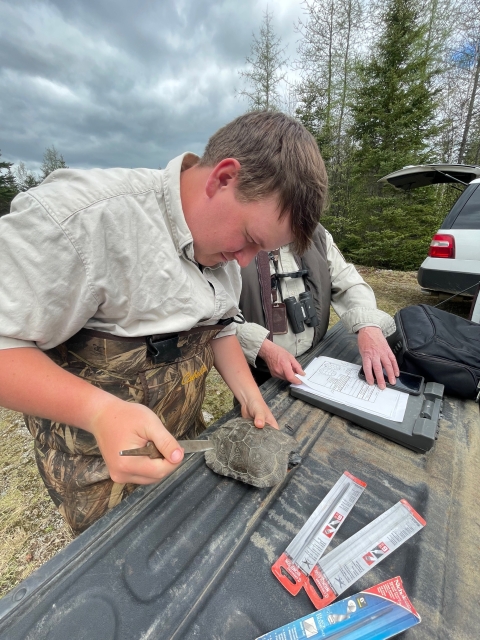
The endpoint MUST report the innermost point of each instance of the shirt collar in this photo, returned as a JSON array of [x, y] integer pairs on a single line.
[[173, 202], [181, 233]]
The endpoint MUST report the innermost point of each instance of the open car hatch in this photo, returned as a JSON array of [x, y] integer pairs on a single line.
[[412, 177]]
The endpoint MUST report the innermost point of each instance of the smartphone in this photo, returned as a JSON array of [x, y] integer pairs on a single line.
[[406, 382]]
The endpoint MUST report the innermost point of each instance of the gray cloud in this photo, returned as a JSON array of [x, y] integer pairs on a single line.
[[116, 83]]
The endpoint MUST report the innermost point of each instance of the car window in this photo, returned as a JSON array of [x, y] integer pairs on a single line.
[[465, 213], [458, 206]]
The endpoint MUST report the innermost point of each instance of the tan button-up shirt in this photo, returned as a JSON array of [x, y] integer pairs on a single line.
[[106, 249]]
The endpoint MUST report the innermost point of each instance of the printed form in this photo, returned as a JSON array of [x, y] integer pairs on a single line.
[[339, 381]]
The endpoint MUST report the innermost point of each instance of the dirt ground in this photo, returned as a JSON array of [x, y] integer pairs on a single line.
[[32, 530]]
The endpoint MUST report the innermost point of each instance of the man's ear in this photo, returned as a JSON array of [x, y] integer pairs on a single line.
[[224, 175]]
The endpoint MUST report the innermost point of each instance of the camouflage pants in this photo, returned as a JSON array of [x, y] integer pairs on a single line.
[[69, 459]]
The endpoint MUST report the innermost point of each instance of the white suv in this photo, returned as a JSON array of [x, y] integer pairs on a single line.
[[453, 262]]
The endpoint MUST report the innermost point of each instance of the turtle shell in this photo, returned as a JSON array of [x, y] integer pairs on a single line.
[[252, 455]]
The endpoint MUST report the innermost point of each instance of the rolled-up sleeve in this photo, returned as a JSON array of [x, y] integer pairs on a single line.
[[352, 298], [251, 337], [45, 294]]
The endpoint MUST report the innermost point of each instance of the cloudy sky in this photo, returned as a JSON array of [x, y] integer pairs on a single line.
[[124, 82]]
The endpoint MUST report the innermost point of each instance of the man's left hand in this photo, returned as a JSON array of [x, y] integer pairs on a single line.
[[257, 410], [376, 354]]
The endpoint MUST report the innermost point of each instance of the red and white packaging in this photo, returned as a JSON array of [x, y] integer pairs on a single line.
[[343, 566], [303, 553]]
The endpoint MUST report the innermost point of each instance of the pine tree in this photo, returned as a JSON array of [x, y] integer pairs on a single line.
[[394, 123], [264, 75], [8, 188]]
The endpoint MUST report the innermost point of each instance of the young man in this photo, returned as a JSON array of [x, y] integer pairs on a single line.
[[117, 291]]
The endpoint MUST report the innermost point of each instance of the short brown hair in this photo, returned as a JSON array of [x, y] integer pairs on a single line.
[[277, 155]]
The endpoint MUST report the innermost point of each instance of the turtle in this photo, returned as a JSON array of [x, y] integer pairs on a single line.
[[256, 456]]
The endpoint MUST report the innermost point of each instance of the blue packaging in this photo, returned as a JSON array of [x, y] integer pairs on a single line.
[[375, 614]]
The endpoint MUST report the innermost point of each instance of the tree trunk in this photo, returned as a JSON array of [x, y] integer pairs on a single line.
[[468, 119]]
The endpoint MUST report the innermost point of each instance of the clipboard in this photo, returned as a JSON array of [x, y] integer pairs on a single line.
[[419, 428]]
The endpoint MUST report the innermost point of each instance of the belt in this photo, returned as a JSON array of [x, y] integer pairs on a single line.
[[162, 348]]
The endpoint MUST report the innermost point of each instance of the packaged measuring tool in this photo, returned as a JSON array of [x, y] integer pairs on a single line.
[[304, 551], [343, 566], [380, 612]]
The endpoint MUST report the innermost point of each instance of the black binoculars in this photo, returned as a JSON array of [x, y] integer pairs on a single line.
[[301, 312]]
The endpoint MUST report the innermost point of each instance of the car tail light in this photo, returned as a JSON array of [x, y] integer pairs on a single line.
[[442, 246]]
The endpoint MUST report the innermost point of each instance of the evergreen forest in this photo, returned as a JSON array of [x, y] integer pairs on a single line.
[[381, 84]]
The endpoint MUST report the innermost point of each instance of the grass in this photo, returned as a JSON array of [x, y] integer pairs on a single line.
[[218, 398], [397, 289], [32, 530]]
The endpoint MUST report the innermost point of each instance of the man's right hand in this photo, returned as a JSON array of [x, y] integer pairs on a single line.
[[280, 362], [119, 425], [32, 383]]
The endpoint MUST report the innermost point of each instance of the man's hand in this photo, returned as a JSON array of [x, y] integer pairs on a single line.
[[32, 383], [121, 425], [280, 362], [376, 354], [232, 366], [257, 409]]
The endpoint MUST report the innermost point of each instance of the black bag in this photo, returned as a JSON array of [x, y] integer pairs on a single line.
[[439, 346]]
